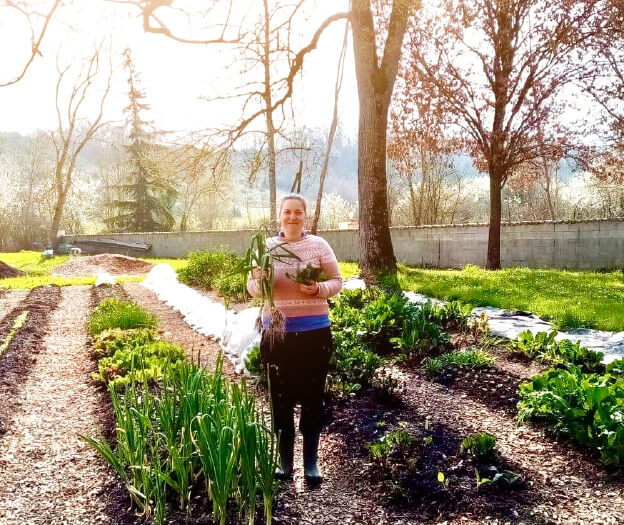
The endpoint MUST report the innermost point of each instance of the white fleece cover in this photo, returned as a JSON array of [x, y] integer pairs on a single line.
[[237, 335]]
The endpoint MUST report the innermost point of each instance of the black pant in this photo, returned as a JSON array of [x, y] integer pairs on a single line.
[[297, 372]]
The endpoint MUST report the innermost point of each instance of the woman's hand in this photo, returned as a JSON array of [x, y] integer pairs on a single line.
[[309, 289], [256, 272]]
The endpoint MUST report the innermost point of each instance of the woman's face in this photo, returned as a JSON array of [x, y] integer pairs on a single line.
[[292, 217]]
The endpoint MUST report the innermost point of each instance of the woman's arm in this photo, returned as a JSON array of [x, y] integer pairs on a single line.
[[329, 264]]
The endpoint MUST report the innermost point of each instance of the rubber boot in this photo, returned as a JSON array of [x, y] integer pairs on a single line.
[[287, 455], [311, 472]]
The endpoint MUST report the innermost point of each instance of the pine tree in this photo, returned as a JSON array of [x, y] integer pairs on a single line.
[[148, 198]]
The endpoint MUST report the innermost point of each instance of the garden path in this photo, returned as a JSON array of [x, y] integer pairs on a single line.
[[47, 474]]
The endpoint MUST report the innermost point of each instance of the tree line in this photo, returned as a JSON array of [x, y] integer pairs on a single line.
[[494, 79]]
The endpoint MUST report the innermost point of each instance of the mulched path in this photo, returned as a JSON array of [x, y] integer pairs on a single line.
[[48, 475], [9, 299], [114, 264]]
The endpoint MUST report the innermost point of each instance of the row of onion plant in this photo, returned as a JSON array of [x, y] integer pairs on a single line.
[[188, 432]]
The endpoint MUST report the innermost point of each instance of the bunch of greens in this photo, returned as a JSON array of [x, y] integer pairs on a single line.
[[308, 275], [260, 255]]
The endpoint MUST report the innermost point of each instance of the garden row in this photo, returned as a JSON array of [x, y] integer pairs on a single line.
[[184, 437], [577, 398]]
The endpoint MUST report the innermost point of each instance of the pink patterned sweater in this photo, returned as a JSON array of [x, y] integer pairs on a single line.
[[286, 294]]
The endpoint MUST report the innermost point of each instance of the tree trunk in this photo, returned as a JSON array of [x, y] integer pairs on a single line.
[[494, 232], [375, 84], [375, 243], [56, 220]]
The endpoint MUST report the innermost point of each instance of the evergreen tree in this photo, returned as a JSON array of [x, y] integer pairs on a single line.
[[147, 198]]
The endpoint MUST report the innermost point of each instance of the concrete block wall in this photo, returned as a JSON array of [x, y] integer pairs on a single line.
[[583, 245]]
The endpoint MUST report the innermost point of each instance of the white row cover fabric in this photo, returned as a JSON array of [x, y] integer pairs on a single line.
[[237, 335]]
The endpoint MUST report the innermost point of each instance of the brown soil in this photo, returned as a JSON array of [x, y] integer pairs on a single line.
[[9, 299], [9, 271], [21, 355], [114, 264]]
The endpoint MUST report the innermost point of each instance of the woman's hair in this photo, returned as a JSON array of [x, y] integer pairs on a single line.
[[295, 197]]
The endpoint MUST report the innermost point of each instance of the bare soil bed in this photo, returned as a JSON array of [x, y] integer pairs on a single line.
[[9, 271], [114, 264]]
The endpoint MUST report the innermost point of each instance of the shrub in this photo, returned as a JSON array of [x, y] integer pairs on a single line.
[[472, 359], [587, 408], [481, 446], [232, 286], [205, 267], [116, 313]]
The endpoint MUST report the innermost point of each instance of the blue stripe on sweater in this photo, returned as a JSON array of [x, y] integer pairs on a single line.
[[304, 323]]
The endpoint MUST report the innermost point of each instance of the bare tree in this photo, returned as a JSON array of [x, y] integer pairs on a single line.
[[36, 33], [375, 78], [73, 132], [498, 67]]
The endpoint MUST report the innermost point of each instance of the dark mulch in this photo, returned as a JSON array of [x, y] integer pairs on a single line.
[[493, 387], [407, 481], [9, 271]]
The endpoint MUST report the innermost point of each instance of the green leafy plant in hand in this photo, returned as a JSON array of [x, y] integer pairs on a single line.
[[308, 275]]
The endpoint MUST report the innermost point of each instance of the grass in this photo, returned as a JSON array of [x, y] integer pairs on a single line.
[[38, 270], [568, 299], [349, 269], [32, 263]]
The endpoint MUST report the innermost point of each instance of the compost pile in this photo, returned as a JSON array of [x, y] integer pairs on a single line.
[[8, 271], [114, 264]]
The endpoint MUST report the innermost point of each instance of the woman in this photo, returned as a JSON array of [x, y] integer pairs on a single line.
[[298, 364]]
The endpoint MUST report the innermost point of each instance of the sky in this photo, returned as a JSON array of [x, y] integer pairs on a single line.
[[177, 78]]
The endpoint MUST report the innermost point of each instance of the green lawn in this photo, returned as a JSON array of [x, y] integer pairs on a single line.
[[37, 270], [568, 299]]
